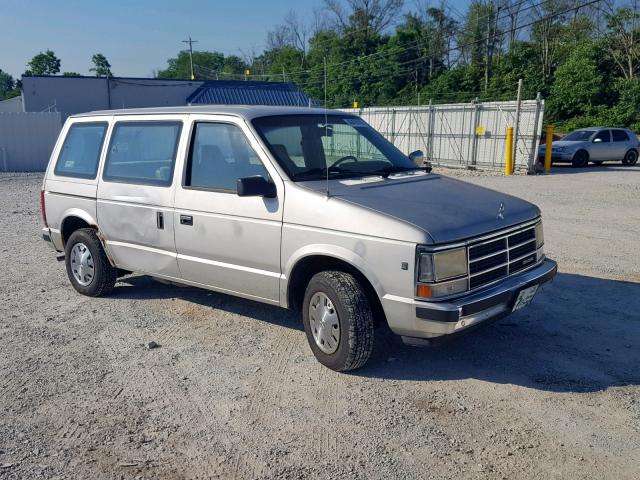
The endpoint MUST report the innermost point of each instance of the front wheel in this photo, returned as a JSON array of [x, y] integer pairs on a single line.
[[88, 267], [338, 321], [631, 158], [580, 159]]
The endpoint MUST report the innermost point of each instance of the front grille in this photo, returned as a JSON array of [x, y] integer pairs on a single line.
[[500, 256]]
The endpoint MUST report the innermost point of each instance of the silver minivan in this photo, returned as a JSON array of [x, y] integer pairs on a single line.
[[303, 208]]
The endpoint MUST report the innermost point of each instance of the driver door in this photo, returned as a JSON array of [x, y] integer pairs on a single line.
[[227, 242], [601, 150]]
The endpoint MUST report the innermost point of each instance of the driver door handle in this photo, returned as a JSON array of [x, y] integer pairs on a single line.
[[186, 220]]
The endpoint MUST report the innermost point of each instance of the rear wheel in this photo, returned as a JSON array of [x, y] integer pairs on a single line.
[[631, 158], [338, 321], [88, 267], [580, 159]]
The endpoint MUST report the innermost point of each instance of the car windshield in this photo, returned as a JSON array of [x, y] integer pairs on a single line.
[[579, 136], [310, 147]]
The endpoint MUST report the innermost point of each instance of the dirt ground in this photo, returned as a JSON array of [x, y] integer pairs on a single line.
[[234, 391]]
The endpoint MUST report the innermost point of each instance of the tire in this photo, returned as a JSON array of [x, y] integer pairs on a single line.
[[88, 267], [630, 158], [343, 300], [580, 159]]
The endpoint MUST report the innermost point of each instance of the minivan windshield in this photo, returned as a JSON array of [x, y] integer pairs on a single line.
[[306, 145], [578, 136]]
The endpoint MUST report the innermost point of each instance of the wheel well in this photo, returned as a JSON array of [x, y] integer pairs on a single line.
[[583, 151], [307, 267], [70, 225]]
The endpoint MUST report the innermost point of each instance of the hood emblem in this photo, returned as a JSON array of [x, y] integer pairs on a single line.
[[501, 211]]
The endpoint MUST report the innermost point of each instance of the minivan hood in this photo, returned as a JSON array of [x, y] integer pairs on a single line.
[[448, 210]]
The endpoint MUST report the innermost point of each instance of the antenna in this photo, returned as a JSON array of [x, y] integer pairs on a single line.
[[326, 124]]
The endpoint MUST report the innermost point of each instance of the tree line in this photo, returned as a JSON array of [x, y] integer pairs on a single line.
[[47, 63], [582, 56]]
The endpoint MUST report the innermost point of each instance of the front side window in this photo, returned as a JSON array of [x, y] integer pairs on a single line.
[[620, 136], [80, 151], [142, 152], [310, 146], [603, 135], [219, 155]]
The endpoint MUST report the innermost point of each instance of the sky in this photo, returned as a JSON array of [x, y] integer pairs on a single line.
[[138, 37]]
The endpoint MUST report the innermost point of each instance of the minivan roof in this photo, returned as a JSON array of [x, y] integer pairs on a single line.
[[244, 111]]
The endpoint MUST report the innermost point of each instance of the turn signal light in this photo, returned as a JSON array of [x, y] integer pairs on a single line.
[[424, 291]]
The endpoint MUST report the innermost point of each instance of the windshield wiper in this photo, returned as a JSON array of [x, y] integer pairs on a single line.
[[385, 172]]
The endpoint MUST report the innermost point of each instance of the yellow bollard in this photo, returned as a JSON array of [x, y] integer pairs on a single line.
[[547, 152], [508, 164]]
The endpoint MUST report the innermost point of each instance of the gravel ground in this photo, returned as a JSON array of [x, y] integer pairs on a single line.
[[233, 391]]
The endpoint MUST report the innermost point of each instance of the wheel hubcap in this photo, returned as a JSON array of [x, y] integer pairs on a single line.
[[631, 157], [325, 326], [82, 265]]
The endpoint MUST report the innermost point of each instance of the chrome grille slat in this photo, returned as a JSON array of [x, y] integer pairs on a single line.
[[515, 241]]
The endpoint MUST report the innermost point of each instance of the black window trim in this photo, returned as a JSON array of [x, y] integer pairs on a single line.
[[186, 170], [150, 183], [93, 176]]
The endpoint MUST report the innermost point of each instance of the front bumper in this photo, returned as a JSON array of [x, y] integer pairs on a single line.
[[557, 157], [419, 319]]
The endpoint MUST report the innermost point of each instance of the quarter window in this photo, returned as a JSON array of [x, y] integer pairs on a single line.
[[81, 150], [142, 152], [620, 136], [220, 154], [603, 135]]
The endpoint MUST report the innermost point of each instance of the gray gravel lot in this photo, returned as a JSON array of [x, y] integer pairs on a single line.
[[234, 391]]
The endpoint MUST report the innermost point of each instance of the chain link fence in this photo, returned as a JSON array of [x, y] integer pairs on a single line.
[[471, 135]]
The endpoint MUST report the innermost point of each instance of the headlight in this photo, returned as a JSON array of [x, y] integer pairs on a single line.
[[559, 149], [439, 266], [539, 235]]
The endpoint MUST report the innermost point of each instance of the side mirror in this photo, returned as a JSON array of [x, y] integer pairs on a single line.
[[417, 157], [597, 140], [255, 187]]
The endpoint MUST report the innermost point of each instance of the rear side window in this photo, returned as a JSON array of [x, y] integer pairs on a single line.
[[142, 152], [81, 149], [620, 136], [220, 155]]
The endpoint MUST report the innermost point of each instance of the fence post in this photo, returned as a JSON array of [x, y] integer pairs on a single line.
[[508, 156], [547, 152], [393, 126], [516, 130], [3, 155], [430, 124], [533, 154], [474, 127]]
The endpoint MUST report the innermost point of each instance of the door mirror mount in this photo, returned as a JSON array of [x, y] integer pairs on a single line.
[[255, 187]]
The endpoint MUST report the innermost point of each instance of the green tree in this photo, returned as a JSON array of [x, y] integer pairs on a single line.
[[6, 84], [101, 66], [70, 74], [579, 86], [206, 65], [44, 64]]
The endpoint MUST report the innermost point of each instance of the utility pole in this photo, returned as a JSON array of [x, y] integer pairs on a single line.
[[191, 42]]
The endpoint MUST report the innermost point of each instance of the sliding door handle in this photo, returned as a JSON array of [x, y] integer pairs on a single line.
[[186, 220], [160, 220]]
